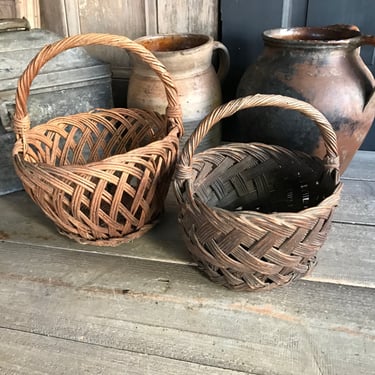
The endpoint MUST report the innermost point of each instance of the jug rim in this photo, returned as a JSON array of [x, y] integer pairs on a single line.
[[178, 42], [305, 36]]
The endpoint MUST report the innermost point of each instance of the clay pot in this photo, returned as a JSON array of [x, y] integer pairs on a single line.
[[188, 58], [321, 66]]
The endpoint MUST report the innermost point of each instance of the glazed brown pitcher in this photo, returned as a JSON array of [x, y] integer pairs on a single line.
[[321, 66]]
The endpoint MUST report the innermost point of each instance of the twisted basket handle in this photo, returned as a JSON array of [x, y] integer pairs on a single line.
[[331, 160], [21, 118]]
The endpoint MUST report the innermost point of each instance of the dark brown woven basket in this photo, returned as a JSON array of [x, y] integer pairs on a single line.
[[101, 176], [253, 215]]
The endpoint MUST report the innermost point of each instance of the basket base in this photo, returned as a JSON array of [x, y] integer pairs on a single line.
[[113, 241], [240, 282]]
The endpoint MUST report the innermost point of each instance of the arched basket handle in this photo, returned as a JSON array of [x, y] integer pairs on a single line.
[[331, 160], [21, 118]]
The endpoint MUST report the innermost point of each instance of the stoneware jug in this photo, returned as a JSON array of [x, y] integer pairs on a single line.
[[321, 66], [188, 58]]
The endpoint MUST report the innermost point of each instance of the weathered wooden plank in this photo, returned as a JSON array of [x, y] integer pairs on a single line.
[[344, 258], [25, 223], [151, 17], [7, 9], [29, 354], [173, 16], [188, 16], [138, 278], [53, 16], [362, 166], [73, 23], [172, 311], [347, 257], [124, 17], [30, 10], [357, 203]]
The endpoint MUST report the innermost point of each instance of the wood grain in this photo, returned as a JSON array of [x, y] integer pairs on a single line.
[[357, 204], [21, 8], [122, 17], [8, 9], [361, 167], [172, 311], [192, 16], [151, 16], [53, 16], [130, 18], [29, 354], [30, 10]]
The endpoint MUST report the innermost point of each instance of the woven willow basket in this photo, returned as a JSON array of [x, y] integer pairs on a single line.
[[253, 215], [101, 176]]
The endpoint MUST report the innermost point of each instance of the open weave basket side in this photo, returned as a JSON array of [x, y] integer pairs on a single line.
[[220, 191], [100, 176]]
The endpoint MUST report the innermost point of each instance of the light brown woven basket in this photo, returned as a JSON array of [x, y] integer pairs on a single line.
[[253, 215], [101, 176]]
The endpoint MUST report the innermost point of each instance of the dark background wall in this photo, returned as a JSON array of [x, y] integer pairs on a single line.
[[243, 21]]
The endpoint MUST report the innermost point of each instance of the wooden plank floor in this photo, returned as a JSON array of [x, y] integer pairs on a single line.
[[144, 308]]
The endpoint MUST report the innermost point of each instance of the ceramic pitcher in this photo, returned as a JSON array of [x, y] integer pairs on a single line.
[[188, 58], [319, 65]]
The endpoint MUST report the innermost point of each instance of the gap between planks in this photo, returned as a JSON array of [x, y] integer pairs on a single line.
[[106, 253]]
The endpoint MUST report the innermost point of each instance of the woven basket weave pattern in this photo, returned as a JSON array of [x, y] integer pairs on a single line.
[[254, 216], [102, 176]]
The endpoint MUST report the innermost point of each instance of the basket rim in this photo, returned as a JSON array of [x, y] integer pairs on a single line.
[[148, 150], [228, 109], [327, 203], [189, 198]]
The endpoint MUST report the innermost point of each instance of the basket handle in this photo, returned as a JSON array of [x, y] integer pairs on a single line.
[[331, 159], [21, 118]]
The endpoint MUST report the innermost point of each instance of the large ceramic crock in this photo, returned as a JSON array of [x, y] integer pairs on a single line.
[[321, 66]]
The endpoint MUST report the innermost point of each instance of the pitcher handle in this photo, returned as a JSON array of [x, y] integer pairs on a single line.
[[370, 41], [224, 59]]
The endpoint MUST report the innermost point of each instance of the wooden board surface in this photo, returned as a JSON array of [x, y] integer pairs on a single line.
[[182, 16], [39, 354], [7, 9], [130, 18], [361, 167], [172, 311], [337, 262], [144, 308]]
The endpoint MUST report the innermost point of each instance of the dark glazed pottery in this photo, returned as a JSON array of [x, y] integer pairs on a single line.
[[321, 66]]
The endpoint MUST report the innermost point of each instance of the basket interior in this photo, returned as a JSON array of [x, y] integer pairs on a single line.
[[90, 137], [258, 177]]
